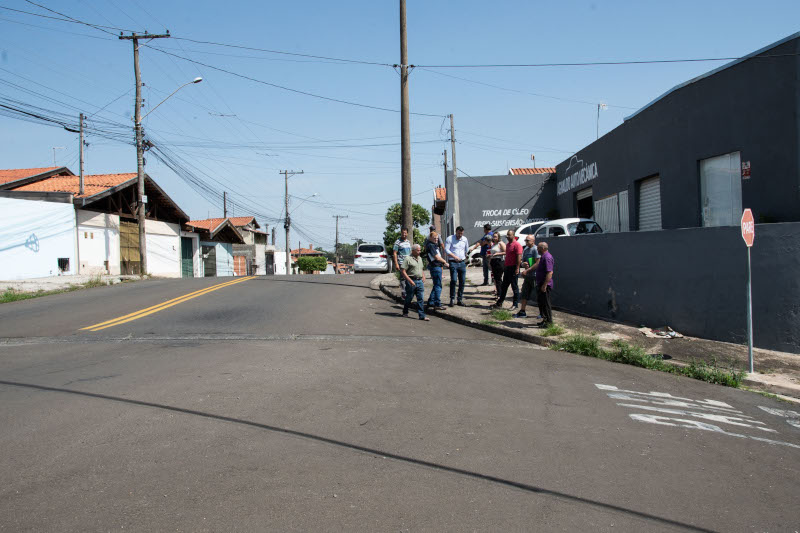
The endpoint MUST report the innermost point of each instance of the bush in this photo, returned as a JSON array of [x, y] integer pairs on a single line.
[[311, 264]]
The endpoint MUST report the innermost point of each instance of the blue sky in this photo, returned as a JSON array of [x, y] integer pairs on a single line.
[[236, 134]]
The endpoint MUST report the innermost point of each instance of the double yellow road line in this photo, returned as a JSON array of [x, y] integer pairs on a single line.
[[165, 305]]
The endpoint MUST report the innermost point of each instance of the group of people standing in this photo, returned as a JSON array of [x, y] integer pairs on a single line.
[[505, 261]]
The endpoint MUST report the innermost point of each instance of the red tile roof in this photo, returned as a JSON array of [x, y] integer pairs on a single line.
[[211, 224], [15, 174], [92, 184], [308, 251], [440, 194], [540, 170]]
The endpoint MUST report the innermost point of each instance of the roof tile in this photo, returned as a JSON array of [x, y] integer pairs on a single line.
[[92, 184], [540, 170], [14, 174]]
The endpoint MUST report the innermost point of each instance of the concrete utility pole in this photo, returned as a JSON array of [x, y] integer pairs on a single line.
[[54, 154], [80, 151], [288, 221], [224, 204], [456, 214], [406, 218], [137, 118], [448, 194], [336, 246]]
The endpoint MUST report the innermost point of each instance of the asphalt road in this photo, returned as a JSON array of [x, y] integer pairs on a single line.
[[309, 404]]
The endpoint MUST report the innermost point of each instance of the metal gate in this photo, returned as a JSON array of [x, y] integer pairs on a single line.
[[650, 204], [239, 265], [130, 261], [187, 258], [606, 213], [270, 261], [209, 261]]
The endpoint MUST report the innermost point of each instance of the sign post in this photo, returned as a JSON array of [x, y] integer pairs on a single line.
[[749, 234]]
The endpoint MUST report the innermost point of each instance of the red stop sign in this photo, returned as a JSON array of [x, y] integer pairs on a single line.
[[748, 227]]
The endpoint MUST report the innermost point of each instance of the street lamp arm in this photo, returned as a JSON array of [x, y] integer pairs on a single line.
[[196, 80]]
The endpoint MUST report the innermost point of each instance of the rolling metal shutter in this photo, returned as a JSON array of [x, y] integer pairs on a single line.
[[624, 218], [650, 204], [606, 213], [585, 193]]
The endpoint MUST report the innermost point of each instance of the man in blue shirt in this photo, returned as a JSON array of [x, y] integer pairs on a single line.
[[485, 243], [456, 247], [401, 249], [435, 263]]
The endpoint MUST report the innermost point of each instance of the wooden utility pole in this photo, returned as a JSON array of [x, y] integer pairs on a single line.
[[80, 151], [224, 204], [287, 221], [137, 119], [406, 219], [336, 246], [456, 213]]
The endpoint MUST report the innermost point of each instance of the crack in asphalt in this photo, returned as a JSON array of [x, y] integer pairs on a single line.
[[228, 337]]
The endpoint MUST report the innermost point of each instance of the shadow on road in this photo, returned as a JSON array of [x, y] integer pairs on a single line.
[[360, 284], [371, 451]]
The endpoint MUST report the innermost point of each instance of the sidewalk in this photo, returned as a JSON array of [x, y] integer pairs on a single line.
[[57, 283], [776, 372]]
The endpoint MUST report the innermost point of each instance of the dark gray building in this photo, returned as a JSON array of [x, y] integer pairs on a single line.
[[699, 153]]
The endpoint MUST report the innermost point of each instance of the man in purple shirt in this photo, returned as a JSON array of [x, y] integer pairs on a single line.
[[544, 281]]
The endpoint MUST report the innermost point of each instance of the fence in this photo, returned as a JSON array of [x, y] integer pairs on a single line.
[[690, 279]]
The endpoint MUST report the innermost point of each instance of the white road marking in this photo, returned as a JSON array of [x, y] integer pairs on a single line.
[[706, 410], [732, 420], [695, 424]]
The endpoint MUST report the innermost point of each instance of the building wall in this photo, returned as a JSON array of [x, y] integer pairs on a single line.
[[504, 201], [224, 257], [692, 280], [751, 107], [261, 259], [33, 236], [98, 239], [163, 249]]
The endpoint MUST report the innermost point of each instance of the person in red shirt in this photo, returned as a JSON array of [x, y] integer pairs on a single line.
[[512, 262]]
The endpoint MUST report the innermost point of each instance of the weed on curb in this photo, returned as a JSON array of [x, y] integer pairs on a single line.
[[488, 322], [553, 330], [622, 352], [501, 315], [12, 295]]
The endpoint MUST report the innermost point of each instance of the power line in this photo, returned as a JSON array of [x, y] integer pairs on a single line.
[[599, 63], [282, 87]]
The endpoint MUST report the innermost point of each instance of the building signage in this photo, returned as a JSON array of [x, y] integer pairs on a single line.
[[577, 174], [503, 217]]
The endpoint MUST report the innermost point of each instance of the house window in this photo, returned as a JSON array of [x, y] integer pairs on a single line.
[[63, 264], [721, 190]]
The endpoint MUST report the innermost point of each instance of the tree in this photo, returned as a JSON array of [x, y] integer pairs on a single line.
[[311, 264], [420, 217]]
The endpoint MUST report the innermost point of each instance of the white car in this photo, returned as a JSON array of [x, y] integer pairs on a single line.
[[371, 257], [567, 227], [528, 229]]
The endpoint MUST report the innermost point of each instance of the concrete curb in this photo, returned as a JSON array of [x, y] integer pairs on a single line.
[[547, 343]]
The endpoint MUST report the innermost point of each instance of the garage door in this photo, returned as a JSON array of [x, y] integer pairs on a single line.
[[606, 213], [239, 265], [650, 204]]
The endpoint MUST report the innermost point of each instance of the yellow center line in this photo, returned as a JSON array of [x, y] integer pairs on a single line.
[[160, 307]]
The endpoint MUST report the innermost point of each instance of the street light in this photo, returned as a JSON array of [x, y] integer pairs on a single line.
[[304, 199], [140, 196]]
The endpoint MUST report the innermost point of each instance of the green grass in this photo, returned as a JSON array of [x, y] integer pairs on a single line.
[[488, 322], [553, 330], [622, 352], [501, 315], [11, 295]]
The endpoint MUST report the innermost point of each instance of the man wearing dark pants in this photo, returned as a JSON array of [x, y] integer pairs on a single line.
[[512, 262], [530, 261], [544, 279], [414, 275], [485, 243], [435, 263], [456, 248]]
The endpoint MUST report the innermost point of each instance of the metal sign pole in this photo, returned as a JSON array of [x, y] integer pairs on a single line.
[[749, 313]]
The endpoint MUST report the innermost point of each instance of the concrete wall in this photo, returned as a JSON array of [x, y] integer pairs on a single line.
[[503, 201], [33, 236], [751, 107], [163, 249], [224, 253], [98, 239], [692, 280]]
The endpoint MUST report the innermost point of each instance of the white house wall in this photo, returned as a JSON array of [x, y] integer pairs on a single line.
[[33, 236], [280, 263], [261, 259], [98, 241], [224, 259], [163, 249]]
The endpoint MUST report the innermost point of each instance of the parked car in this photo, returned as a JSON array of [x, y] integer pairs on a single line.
[[528, 229], [567, 227], [371, 257]]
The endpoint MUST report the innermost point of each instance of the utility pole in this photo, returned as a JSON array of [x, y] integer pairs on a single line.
[[336, 248], [406, 219], [137, 119], [456, 213], [54, 154], [224, 204], [80, 165], [447, 190], [288, 221]]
